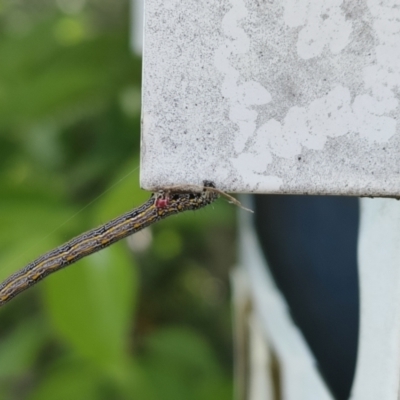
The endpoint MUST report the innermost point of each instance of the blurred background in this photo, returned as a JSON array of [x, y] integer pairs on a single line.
[[148, 318]]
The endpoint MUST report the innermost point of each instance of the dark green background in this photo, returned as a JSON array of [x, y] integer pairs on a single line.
[[148, 323]]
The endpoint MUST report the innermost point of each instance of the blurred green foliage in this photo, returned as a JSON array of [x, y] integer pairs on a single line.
[[145, 321]]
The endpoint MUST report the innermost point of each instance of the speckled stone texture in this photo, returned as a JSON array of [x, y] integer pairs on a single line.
[[272, 96]]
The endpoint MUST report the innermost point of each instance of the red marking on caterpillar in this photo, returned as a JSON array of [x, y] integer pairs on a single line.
[[162, 202]]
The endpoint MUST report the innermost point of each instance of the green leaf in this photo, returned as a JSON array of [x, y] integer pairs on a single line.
[[123, 194], [40, 77], [71, 381], [91, 305], [31, 222], [19, 350], [181, 366]]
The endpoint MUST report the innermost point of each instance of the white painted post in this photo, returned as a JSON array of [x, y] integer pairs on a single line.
[[261, 384], [137, 14], [378, 364], [290, 97], [299, 378]]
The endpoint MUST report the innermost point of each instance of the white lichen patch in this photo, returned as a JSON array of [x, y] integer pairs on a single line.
[[281, 97]]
